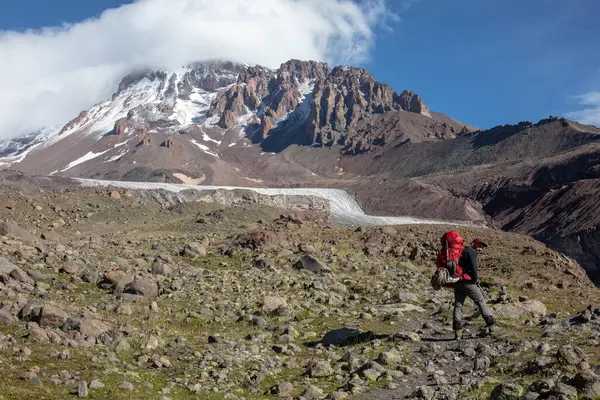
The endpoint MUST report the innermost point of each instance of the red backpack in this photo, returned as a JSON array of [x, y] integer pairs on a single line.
[[448, 256]]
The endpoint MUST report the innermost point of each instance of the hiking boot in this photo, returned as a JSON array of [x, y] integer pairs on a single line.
[[490, 321], [486, 331]]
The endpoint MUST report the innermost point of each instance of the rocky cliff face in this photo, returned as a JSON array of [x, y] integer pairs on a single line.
[[337, 100]]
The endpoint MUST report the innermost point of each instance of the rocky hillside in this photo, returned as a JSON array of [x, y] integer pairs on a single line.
[[118, 294]]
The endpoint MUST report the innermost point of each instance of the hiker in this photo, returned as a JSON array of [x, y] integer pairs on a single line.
[[468, 286]]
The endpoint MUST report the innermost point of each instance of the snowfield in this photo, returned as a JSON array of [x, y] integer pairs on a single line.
[[342, 205]]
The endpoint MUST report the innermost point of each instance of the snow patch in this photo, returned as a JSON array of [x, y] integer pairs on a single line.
[[204, 148], [116, 157], [89, 156], [207, 138]]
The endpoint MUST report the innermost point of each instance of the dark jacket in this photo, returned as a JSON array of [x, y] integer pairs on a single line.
[[468, 262]]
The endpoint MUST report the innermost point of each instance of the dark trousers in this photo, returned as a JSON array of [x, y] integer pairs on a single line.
[[465, 289]]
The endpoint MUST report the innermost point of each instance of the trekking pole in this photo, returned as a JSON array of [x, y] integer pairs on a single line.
[[448, 312], [490, 303]]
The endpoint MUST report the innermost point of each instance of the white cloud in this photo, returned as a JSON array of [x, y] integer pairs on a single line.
[[589, 115], [47, 76]]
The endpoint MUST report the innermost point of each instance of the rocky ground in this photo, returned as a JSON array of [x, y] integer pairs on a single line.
[[106, 295]]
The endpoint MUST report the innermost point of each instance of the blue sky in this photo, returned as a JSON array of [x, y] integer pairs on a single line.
[[483, 62]]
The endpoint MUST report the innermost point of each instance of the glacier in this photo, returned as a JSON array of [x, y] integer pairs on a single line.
[[343, 206]]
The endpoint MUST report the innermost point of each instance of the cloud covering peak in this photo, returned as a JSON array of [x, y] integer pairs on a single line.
[[47, 76], [590, 114]]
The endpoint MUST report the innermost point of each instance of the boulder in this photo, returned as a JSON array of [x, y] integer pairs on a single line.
[[310, 263], [272, 304], [143, 287], [69, 267], [92, 327], [6, 318], [528, 308], [570, 355], [319, 369], [6, 267], [52, 317], [12, 230], [506, 391], [194, 250], [588, 383]]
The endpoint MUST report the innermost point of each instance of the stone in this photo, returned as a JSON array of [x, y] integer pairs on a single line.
[[13, 230], [115, 195], [144, 287], [312, 392], [52, 317], [82, 390], [126, 386], [92, 327], [176, 285], [21, 276], [114, 277], [571, 355], [506, 391], [528, 308], [6, 318], [122, 346], [423, 392], [90, 276], [194, 250], [160, 268], [588, 383], [96, 384], [6, 267], [320, 369], [262, 263], [152, 343], [482, 364], [51, 236], [283, 389], [390, 358], [562, 391], [274, 305], [124, 309], [370, 374], [70, 268], [412, 336], [539, 364], [310, 263]]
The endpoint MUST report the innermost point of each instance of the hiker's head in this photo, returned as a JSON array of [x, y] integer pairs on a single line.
[[478, 244]]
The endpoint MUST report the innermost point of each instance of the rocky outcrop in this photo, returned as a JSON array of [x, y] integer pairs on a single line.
[[410, 101], [340, 99]]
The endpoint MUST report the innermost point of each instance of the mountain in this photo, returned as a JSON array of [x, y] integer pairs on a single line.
[[199, 112], [308, 125]]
